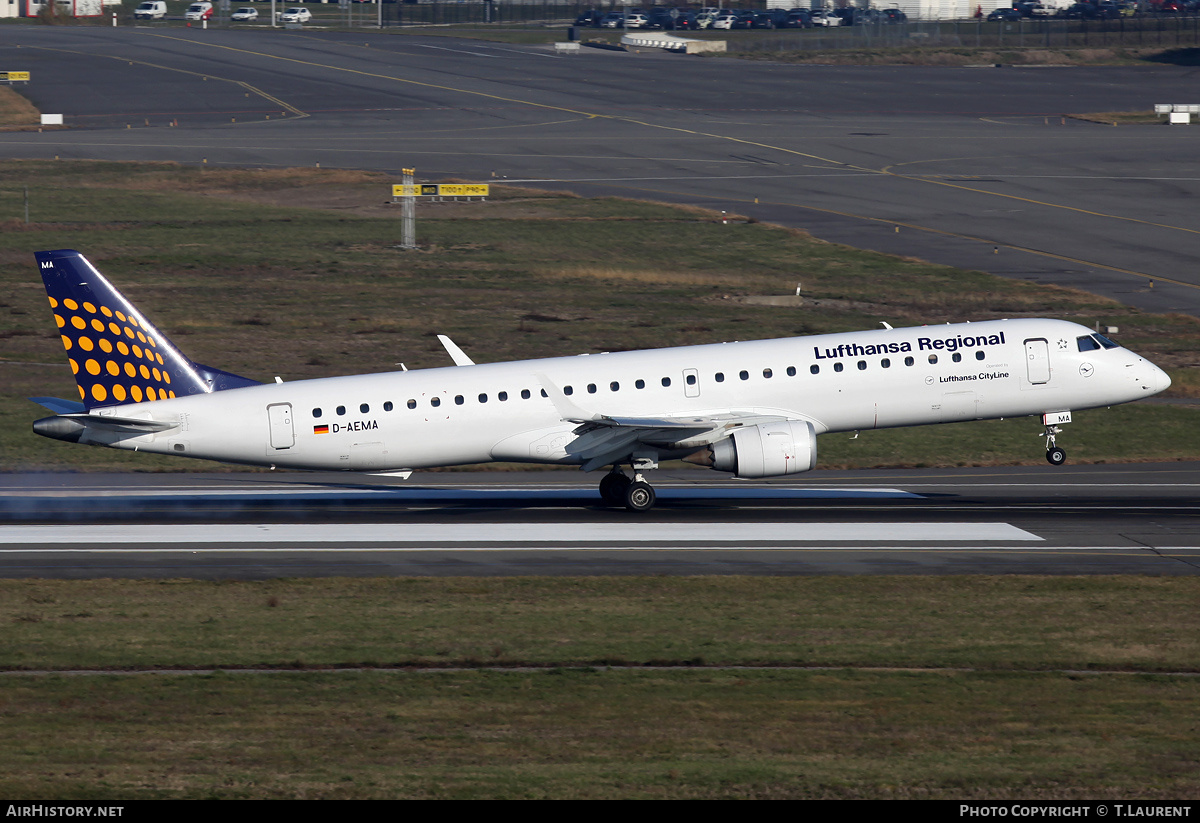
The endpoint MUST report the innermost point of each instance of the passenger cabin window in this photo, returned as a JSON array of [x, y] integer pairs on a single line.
[[956, 357], [614, 386], [666, 381], [525, 394], [364, 408], [435, 402], [387, 405], [483, 398], [933, 358], [908, 361], [791, 371], [591, 388], [639, 384], [502, 396], [566, 390], [862, 365], [719, 377], [814, 369], [459, 400], [316, 412], [838, 367], [691, 379], [341, 409], [979, 354], [885, 363], [412, 404], [767, 373], [744, 375]]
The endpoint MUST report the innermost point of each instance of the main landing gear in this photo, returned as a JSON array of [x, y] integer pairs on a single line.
[[635, 494]]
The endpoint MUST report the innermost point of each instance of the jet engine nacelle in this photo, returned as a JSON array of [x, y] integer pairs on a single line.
[[767, 450]]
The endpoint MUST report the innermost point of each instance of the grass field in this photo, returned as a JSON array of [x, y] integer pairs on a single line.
[[298, 273], [892, 687]]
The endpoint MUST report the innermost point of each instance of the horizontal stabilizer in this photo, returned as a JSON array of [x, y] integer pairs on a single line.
[[60, 406], [71, 427]]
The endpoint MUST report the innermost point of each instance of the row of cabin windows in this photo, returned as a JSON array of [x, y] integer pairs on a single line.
[[690, 379]]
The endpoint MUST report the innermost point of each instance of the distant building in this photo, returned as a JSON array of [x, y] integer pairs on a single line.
[[69, 8]]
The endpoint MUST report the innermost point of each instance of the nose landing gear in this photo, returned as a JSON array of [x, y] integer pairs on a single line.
[[1055, 456]]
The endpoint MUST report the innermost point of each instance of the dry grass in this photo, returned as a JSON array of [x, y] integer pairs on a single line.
[[16, 110]]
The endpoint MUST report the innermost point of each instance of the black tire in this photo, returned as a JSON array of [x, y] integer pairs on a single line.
[[639, 497], [1056, 456], [613, 487]]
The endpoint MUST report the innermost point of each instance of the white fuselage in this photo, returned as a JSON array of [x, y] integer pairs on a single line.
[[468, 414]]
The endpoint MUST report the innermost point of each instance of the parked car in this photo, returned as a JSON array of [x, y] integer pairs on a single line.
[[894, 16], [798, 19], [733, 20], [591, 17], [637, 21], [244, 13], [1007, 15], [150, 10], [820, 17], [296, 14], [686, 21], [769, 19], [613, 20], [198, 11]]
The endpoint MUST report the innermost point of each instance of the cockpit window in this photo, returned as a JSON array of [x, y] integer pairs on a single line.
[[1105, 342], [1088, 343]]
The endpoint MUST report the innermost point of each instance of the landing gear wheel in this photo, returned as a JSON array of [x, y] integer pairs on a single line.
[[639, 497], [613, 487], [1056, 456]]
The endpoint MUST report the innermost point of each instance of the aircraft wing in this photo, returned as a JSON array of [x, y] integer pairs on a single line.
[[614, 439], [603, 439]]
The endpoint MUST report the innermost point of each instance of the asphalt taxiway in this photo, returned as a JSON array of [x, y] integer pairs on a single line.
[[974, 167], [1070, 520]]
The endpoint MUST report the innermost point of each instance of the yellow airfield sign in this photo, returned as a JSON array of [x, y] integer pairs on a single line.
[[441, 190]]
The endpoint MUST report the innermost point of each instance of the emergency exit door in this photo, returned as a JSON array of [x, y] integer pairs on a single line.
[[283, 435]]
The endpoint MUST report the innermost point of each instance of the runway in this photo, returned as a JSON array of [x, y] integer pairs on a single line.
[[978, 168], [1074, 520]]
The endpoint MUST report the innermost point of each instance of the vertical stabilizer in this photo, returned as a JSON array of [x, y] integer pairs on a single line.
[[116, 354]]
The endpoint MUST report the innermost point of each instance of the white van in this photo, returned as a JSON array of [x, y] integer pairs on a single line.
[[198, 11], [150, 10]]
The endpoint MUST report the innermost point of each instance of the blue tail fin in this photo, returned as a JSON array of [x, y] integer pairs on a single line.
[[117, 355]]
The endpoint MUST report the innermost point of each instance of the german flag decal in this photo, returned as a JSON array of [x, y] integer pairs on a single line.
[[321, 429]]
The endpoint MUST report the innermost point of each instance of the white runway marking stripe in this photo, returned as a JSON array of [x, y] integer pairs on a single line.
[[509, 533]]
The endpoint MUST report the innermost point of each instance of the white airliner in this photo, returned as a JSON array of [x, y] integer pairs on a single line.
[[751, 408]]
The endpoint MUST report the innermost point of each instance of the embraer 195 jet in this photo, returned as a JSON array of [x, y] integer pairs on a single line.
[[750, 408]]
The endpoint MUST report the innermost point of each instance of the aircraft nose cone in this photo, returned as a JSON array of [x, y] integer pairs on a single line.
[[1164, 379]]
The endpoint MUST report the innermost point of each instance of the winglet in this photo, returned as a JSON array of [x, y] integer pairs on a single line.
[[566, 409], [456, 354]]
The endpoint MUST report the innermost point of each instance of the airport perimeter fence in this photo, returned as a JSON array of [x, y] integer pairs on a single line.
[[1144, 32], [1159, 31], [1138, 32]]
